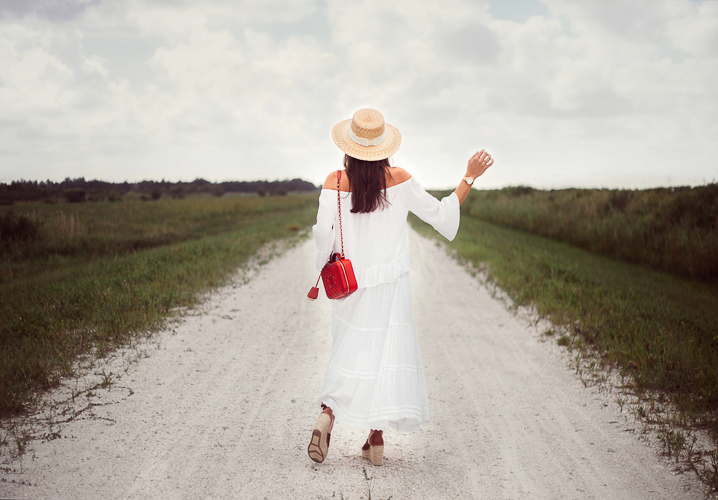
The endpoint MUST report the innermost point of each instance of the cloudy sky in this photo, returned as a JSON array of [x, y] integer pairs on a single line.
[[594, 93]]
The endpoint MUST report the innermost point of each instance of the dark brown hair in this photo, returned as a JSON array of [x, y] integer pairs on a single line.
[[367, 180]]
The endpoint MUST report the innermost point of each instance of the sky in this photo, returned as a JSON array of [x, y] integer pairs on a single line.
[[593, 93]]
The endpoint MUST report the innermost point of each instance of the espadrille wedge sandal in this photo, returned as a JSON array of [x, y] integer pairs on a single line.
[[321, 435], [375, 451]]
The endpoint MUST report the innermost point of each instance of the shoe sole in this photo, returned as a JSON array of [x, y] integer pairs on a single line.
[[319, 444]]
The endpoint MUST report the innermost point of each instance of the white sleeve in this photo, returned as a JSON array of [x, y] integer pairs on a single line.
[[323, 230], [442, 215]]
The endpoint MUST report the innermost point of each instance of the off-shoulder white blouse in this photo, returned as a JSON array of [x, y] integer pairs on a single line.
[[376, 242]]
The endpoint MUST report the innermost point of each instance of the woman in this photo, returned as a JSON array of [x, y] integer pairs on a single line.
[[375, 377]]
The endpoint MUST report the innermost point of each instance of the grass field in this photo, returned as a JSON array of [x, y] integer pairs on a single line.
[[80, 278], [660, 330], [669, 229]]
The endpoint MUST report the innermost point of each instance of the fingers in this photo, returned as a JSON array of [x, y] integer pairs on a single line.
[[479, 162], [482, 156]]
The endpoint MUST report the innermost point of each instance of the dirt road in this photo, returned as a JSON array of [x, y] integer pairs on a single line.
[[223, 407]]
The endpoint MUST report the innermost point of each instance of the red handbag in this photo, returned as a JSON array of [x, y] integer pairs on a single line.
[[338, 273]]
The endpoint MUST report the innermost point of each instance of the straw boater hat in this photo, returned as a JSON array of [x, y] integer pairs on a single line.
[[366, 136]]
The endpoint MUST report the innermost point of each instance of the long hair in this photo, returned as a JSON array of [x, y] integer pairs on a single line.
[[368, 183]]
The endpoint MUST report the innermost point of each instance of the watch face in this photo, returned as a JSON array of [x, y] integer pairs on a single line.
[[469, 180]]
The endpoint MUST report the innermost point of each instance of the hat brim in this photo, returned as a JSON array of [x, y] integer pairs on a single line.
[[389, 146]]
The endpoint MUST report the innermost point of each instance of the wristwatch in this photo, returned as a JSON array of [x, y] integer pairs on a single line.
[[469, 180]]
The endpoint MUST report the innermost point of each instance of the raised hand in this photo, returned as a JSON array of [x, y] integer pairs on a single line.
[[478, 164]]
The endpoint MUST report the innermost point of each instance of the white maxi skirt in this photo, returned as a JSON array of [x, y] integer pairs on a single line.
[[375, 376]]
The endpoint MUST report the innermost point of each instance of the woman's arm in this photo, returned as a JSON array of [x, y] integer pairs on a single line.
[[477, 166], [323, 230]]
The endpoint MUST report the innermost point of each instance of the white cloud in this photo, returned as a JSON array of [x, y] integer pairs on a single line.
[[228, 90]]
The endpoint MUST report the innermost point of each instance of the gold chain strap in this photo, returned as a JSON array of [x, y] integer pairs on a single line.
[[339, 204]]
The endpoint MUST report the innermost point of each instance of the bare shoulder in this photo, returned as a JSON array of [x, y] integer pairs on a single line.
[[399, 175], [331, 182]]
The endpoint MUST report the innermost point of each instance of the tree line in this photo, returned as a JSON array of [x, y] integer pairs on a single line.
[[80, 190]]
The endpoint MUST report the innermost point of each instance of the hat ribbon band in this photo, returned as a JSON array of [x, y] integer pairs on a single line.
[[366, 142]]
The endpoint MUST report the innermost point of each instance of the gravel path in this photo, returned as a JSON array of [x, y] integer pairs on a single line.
[[223, 407]]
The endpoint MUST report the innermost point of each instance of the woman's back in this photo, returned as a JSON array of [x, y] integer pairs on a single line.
[[393, 176], [375, 242]]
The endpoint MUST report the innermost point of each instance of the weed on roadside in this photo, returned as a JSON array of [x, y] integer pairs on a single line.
[[106, 380], [368, 486], [708, 472], [49, 416]]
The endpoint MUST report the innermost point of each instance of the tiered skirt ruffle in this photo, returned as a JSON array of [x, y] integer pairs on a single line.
[[375, 376], [377, 275]]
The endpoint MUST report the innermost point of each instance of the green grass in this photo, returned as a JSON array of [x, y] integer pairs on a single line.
[[669, 229], [118, 270], [659, 329], [76, 233]]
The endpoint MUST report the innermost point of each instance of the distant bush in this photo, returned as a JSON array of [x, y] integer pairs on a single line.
[[18, 228], [669, 229], [26, 190], [262, 192], [518, 191], [177, 192], [156, 194], [95, 196], [279, 192], [114, 196], [75, 195]]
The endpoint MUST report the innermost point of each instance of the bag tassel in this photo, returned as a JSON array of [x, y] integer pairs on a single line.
[[314, 292]]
